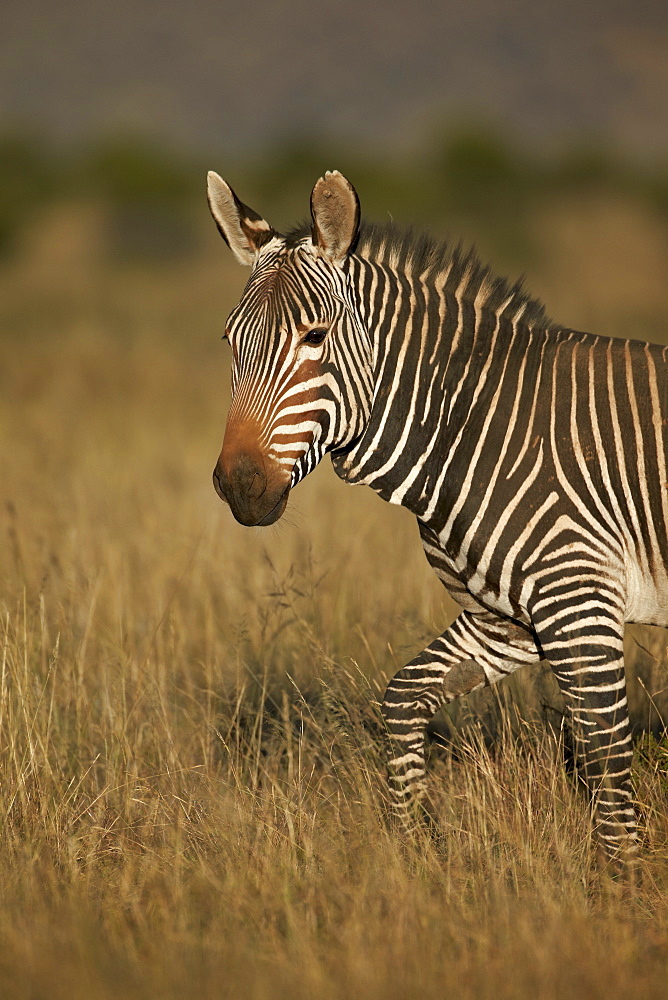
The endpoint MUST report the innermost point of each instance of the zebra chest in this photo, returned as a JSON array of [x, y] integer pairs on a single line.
[[476, 573], [488, 582]]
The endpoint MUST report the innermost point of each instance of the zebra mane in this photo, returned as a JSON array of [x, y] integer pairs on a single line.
[[420, 253]]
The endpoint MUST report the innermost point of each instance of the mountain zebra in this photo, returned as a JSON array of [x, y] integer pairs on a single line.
[[534, 458]]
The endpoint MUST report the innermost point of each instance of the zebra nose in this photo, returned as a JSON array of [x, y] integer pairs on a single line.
[[239, 479], [247, 478], [256, 492], [258, 485], [218, 482]]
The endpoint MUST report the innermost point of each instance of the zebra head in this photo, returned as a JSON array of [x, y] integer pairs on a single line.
[[301, 369]]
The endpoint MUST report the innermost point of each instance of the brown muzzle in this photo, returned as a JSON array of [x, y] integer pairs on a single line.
[[255, 487]]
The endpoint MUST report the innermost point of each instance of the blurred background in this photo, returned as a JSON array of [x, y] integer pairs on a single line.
[[539, 131]]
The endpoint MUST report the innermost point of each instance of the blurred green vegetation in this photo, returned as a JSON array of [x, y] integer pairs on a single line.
[[468, 178]]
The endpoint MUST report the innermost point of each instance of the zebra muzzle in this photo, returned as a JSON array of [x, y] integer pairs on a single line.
[[255, 498]]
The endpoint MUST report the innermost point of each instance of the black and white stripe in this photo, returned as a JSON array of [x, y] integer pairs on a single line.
[[534, 458]]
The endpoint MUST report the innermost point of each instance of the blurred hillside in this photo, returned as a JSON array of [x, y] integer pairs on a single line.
[[220, 75]]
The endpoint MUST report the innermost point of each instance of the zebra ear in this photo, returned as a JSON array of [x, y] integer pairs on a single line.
[[244, 231], [335, 210]]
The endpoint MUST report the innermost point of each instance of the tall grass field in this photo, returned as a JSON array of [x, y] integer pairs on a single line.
[[191, 749]]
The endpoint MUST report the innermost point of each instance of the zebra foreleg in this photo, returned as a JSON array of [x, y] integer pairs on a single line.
[[586, 655], [476, 649]]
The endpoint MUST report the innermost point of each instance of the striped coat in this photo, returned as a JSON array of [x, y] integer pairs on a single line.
[[533, 456]]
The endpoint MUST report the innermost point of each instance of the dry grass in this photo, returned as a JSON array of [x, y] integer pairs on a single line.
[[190, 744]]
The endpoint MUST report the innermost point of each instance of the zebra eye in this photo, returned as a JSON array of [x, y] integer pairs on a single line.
[[315, 336]]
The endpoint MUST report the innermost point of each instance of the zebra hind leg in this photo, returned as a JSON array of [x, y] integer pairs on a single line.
[[477, 649]]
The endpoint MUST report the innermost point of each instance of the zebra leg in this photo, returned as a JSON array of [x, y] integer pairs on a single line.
[[585, 650], [476, 649]]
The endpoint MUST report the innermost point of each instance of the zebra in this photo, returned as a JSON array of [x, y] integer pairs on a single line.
[[533, 457]]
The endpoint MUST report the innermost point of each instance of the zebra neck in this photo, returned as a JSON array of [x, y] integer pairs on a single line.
[[438, 361]]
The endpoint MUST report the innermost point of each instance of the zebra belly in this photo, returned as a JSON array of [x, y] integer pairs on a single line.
[[647, 595]]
